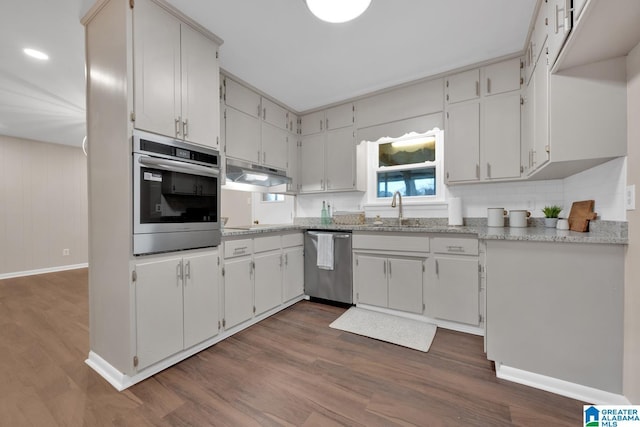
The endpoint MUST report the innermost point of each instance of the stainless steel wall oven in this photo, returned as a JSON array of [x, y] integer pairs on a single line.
[[176, 195]]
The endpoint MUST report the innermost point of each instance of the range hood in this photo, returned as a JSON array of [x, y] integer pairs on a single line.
[[241, 172]]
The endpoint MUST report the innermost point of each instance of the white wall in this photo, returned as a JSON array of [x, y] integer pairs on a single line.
[[631, 371], [43, 206], [273, 212], [604, 183]]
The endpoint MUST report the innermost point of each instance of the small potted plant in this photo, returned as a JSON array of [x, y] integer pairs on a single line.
[[551, 215]]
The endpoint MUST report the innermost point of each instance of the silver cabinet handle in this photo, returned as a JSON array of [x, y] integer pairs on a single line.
[[286, 259], [384, 268], [389, 267], [281, 260], [185, 127], [178, 273], [477, 88], [488, 170], [240, 250], [437, 269], [322, 184], [259, 111], [264, 113], [477, 170], [258, 156], [455, 248], [327, 124], [187, 270], [264, 157], [488, 85], [177, 122]]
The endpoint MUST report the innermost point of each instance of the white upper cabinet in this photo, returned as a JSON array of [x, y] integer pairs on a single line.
[[257, 129], [312, 123], [176, 77], [462, 86], [274, 114], [242, 98], [501, 77], [328, 151], [482, 132]]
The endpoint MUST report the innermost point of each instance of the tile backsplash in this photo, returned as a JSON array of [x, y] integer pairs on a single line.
[[604, 183]]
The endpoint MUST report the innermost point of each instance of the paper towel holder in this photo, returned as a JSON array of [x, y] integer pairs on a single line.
[[455, 211]]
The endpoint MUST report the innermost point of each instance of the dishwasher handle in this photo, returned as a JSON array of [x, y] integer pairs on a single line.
[[314, 234]]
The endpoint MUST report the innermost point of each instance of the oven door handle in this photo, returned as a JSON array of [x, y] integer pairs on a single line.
[[176, 166]]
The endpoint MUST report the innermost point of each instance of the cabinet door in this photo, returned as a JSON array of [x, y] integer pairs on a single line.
[[201, 298], [405, 284], [340, 163], [501, 77], [293, 277], [200, 89], [243, 135], [159, 310], [312, 163], [268, 281], [242, 98], [501, 136], [526, 134], [293, 163], [156, 66], [238, 291], [463, 86], [462, 146], [274, 114], [339, 117], [455, 294], [371, 280], [313, 123], [540, 78], [274, 146]]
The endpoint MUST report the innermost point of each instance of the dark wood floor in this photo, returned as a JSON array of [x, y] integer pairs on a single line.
[[291, 369]]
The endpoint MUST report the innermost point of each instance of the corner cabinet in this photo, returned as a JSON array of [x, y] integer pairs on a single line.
[[176, 77], [256, 129], [176, 300], [328, 151]]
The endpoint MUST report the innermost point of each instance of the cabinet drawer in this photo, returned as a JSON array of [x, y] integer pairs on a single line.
[[455, 245], [267, 243], [405, 242], [234, 248], [293, 239]]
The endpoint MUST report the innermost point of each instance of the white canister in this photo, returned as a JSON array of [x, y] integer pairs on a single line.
[[562, 224], [495, 217], [518, 218]]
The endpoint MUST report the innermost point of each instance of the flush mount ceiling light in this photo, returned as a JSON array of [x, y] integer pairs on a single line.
[[337, 11], [36, 54]]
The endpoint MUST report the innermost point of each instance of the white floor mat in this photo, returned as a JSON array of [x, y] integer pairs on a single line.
[[385, 327]]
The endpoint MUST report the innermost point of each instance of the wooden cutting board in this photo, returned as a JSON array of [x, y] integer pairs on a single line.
[[580, 215]]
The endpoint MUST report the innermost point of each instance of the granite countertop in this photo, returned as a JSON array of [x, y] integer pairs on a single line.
[[601, 232]]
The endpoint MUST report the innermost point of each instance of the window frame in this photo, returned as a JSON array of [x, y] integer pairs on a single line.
[[438, 164]]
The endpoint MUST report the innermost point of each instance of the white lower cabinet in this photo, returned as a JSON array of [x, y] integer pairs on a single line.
[[260, 274], [176, 301], [389, 270], [293, 273], [453, 288], [267, 281], [394, 283]]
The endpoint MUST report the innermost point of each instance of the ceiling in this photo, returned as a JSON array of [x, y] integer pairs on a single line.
[[277, 46]]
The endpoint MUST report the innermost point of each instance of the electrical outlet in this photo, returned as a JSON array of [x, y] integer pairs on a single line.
[[630, 197], [65, 252]]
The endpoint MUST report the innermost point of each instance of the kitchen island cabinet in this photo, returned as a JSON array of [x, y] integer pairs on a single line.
[[237, 277], [557, 312]]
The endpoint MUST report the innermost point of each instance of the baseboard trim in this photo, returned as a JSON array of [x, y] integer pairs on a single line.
[[561, 387], [43, 271], [121, 381]]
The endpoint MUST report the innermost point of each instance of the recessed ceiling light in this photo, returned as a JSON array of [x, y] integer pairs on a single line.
[[337, 11], [36, 54]]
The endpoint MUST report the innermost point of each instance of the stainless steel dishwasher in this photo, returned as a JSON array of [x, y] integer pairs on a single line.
[[333, 285]]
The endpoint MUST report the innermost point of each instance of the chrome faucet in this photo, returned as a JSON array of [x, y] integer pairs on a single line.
[[393, 205]]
